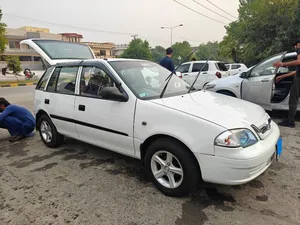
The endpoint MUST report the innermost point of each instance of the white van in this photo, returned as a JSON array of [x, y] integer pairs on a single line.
[[182, 138]]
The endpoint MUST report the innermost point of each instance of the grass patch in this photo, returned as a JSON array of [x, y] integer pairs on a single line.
[[16, 82]]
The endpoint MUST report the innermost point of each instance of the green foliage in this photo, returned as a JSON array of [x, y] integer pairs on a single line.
[[182, 49], [13, 64], [158, 53], [3, 40], [210, 50], [138, 49], [265, 27]]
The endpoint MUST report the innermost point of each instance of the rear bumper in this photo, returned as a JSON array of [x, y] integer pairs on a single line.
[[229, 171]]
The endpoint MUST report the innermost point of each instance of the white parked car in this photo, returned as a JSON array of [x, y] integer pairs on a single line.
[[181, 138], [236, 68], [212, 70], [257, 84]]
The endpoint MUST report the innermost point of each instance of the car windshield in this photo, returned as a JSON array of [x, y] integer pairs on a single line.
[[147, 79]]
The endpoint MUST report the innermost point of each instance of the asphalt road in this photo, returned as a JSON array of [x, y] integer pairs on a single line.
[[82, 184]]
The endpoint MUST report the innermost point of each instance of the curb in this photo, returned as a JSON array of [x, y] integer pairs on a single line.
[[17, 85]]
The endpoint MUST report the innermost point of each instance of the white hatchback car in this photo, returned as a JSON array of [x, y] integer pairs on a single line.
[[236, 68], [212, 70], [258, 85], [181, 138]]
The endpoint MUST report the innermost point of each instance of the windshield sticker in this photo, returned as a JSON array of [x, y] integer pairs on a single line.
[[142, 95], [177, 85]]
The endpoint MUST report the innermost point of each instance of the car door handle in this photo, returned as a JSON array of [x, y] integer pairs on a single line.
[[204, 73], [47, 101], [81, 107], [267, 80], [185, 74]]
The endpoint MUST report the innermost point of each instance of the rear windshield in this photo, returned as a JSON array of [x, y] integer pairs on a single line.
[[64, 50], [221, 66]]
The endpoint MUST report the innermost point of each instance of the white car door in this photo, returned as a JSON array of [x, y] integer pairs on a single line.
[[204, 76], [258, 85], [60, 99], [105, 123]]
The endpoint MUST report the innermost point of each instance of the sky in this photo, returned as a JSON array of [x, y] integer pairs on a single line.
[[124, 18]]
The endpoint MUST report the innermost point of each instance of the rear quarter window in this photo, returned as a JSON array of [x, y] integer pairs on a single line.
[[221, 66], [43, 81]]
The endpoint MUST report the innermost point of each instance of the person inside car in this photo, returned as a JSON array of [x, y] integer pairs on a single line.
[[19, 122]]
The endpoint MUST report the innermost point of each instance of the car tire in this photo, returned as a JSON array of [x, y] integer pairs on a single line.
[[48, 132], [182, 162], [228, 93]]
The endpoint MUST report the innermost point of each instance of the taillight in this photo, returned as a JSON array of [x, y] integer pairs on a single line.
[[218, 74]]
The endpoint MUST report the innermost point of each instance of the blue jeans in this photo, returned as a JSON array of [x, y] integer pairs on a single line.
[[17, 127]]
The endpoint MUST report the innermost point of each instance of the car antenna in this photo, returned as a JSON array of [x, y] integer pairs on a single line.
[[170, 76], [192, 86]]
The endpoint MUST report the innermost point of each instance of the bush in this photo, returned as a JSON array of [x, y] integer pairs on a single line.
[[14, 64]]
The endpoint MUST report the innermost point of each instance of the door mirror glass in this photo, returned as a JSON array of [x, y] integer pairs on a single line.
[[243, 75], [114, 94]]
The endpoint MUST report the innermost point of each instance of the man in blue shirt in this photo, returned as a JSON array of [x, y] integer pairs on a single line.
[[19, 122], [167, 61]]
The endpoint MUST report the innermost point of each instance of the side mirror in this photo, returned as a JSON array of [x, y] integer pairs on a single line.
[[243, 75], [114, 94]]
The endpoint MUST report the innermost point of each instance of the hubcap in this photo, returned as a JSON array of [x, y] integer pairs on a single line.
[[167, 169], [46, 131]]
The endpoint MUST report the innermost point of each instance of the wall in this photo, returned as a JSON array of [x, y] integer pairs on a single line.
[[27, 64]]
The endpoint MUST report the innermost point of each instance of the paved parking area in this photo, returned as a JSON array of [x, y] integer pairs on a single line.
[[82, 184]]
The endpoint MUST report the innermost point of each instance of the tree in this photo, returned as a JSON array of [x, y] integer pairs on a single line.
[[13, 64], [182, 50], [264, 28], [3, 40], [158, 53], [138, 49], [210, 50]]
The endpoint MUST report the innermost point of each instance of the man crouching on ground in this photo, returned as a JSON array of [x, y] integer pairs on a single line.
[[19, 122]]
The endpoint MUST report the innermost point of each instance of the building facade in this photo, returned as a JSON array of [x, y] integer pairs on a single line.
[[102, 50], [119, 49]]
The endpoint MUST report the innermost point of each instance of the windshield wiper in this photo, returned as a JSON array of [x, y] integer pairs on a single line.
[[173, 72], [192, 86]]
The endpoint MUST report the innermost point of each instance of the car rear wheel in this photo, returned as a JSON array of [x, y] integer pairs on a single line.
[[172, 168], [48, 132]]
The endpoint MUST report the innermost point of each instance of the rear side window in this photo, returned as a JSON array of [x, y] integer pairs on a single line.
[[228, 67], [198, 66], [183, 68], [235, 67], [63, 80], [221, 67], [43, 81]]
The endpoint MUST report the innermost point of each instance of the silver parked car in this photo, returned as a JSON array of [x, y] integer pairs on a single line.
[[258, 85]]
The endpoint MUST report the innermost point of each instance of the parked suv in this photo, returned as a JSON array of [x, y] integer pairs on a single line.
[[125, 106], [212, 70]]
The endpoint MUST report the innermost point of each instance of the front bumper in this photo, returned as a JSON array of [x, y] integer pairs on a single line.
[[246, 165]]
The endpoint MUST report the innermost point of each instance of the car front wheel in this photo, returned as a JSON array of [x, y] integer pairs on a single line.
[[172, 168], [48, 132]]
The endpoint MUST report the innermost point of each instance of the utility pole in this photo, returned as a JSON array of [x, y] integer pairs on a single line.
[[171, 31], [134, 36]]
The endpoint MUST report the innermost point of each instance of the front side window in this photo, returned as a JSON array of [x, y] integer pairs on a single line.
[[183, 68], [93, 80], [266, 67], [221, 66], [147, 79], [198, 66], [235, 67], [63, 80]]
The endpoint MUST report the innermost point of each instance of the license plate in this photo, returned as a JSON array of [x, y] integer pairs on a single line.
[[279, 147]]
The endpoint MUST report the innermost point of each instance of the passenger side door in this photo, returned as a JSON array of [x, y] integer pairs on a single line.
[[61, 98], [102, 122], [259, 85]]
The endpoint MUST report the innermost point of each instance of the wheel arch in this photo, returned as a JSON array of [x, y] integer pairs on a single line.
[[222, 91], [38, 116]]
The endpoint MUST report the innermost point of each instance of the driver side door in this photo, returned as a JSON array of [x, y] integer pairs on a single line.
[[259, 85]]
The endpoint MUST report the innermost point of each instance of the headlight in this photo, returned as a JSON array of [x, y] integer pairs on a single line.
[[236, 138], [209, 86]]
